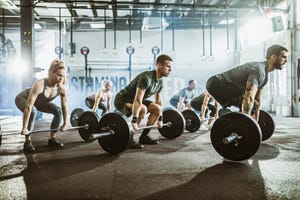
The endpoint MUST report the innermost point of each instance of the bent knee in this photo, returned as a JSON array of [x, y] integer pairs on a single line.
[[155, 109], [58, 112], [143, 110]]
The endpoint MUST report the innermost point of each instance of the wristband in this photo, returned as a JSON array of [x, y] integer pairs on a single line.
[[134, 120], [160, 118]]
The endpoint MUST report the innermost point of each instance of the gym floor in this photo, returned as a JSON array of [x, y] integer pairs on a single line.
[[184, 168]]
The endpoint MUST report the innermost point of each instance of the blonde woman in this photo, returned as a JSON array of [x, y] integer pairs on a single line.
[[39, 98], [98, 100]]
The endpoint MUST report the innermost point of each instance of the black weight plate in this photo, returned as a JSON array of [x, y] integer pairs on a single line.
[[117, 123], [75, 114], [266, 124], [178, 124], [90, 118], [192, 120], [241, 124]]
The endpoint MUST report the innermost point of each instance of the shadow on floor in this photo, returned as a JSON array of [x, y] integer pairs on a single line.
[[228, 180]]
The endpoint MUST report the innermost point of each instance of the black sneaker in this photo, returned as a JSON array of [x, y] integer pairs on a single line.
[[55, 143], [135, 145], [148, 140], [28, 147]]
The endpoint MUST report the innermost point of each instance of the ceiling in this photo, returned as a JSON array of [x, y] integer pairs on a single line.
[[92, 15]]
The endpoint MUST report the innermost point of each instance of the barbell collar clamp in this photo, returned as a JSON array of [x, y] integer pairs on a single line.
[[231, 138], [96, 136], [168, 124]]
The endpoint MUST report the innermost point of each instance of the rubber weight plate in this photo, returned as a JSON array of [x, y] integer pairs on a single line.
[[122, 134], [178, 124], [192, 120], [244, 126], [90, 118], [266, 124], [75, 114]]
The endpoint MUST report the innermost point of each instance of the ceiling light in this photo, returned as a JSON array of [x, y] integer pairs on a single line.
[[97, 25], [154, 23], [37, 26], [7, 4], [224, 21]]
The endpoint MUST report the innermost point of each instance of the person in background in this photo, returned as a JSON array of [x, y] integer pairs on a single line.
[[184, 96], [204, 103], [97, 101]]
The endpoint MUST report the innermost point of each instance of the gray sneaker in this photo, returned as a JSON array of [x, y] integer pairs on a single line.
[[55, 143], [28, 147], [135, 145]]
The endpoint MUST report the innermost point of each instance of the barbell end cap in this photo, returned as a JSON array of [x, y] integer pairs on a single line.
[[225, 141], [86, 126], [91, 138], [169, 124]]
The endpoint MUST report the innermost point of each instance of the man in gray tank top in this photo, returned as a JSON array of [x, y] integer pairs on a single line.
[[242, 86]]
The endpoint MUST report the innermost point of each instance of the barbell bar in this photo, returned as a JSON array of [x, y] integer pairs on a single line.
[[95, 136], [168, 124], [86, 126], [88, 123]]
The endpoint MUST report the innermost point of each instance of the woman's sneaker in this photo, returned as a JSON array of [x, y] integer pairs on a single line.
[[135, 145], [148, 140], [28, 147], [55, 143]]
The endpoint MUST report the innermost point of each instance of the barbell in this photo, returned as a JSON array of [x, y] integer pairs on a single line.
[[237, 136], [114, 133]]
